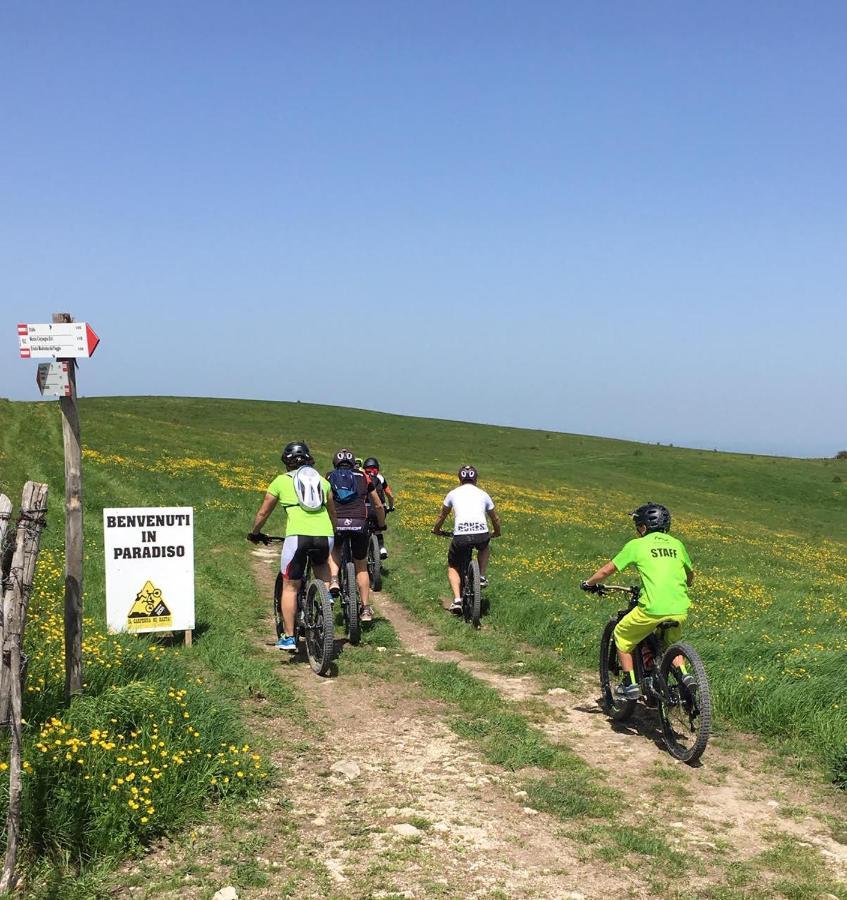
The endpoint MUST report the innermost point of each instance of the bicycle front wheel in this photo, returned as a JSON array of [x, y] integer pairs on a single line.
[[610, 674], [351, 604], [472, 595], [685, 708], [374, 564], [320, 636]]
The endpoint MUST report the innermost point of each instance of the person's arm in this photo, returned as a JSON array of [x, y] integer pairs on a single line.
[[264, 512], [391, 499], [330, 508], [442, 516], [495, 521], [689, 576], [603, 572], [379, 509]]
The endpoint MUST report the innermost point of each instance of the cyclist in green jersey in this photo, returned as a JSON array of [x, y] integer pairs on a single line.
[[666, 574], [309, 530]]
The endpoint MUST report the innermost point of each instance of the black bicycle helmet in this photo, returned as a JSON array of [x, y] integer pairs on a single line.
[[468, 474], [343, 457], [655, 516], [296, 454], [371, 463]]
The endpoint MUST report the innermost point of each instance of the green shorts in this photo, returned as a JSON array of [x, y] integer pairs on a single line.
[[637, 624]]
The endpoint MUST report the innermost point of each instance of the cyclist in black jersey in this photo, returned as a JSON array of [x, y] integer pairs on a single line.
[[386, 495], [351, 491]]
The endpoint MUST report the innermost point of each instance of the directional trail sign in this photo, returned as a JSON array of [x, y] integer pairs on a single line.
[[52, 379], [60, 340]]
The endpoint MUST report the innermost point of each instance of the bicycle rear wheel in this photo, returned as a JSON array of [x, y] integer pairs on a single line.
[[685, 711], [610, 675], [374, 563], [320, 636], [350, 593], [280, 630], [471, 595]]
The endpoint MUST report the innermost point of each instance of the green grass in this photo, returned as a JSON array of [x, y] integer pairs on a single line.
[[767, 536]]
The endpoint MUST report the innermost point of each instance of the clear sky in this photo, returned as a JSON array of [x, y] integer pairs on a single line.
[[617, 218]]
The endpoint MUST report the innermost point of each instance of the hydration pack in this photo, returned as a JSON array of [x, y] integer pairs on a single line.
[[308, 488], [345, 488]]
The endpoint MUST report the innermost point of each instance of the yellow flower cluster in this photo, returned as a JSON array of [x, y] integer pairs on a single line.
[[139, 765], [227, 474], [45, 634]]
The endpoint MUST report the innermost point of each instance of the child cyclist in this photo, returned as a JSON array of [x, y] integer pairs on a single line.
[[666, 574]]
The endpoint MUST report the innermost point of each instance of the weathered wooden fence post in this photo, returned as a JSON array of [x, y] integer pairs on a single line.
[[73, 531], [15, 601], [5, 514], [5, 563]]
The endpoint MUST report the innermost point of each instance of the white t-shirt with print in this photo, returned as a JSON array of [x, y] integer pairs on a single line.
[[469, 504]]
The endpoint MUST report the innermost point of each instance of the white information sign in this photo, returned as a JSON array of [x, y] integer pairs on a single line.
[[149, 568], [52, 379], [63, 340]]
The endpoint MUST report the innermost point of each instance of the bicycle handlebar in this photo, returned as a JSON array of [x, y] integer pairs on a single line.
[[265, 538]]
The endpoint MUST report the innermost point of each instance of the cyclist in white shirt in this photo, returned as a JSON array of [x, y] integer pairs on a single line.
[[472, 509]]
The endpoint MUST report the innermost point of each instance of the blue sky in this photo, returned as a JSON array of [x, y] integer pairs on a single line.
[[625, 219]]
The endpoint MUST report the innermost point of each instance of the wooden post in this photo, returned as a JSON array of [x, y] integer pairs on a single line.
[[5, 558], [5, 563], [5, 513], [188, 637], [28, 538], [73, 531]]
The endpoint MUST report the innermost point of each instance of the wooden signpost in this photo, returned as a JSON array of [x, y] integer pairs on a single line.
[[65, 341]]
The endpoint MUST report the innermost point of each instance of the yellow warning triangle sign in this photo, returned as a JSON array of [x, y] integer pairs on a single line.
[[149, 603]]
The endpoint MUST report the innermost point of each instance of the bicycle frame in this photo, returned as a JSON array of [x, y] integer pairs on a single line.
[[653, 684]]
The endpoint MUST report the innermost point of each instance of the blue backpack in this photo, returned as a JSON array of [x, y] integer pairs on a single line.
[[345, 488]]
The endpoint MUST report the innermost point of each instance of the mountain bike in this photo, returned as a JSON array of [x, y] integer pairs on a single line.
[[685, 710], [350, 602], [313, 618], [471, 590]]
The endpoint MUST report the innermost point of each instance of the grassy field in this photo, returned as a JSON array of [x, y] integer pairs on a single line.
[[767, 536]]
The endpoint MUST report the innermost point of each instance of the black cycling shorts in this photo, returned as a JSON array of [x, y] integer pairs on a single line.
[[461, 548], [297, 548], [358, 542]]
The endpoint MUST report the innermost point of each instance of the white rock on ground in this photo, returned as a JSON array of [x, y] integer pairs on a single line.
[[554, 691], [226, 893], [346, 768]]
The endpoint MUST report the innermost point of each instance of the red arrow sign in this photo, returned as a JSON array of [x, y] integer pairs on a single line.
[[93, 340]]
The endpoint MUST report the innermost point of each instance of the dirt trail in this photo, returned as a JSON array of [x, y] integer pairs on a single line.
[[398, 805], [737, 798], [379, 798]]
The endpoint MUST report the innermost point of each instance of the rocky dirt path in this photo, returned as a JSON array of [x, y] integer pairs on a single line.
[[377, 797], [395, 804], [733, 798]]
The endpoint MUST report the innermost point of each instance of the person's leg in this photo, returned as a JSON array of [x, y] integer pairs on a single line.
[[458, 557], [359, 550], [629, 632], [671, 636], [455, 580], [363, 580], [482, 556], [334, 565], [290, 588], [322, 564]]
